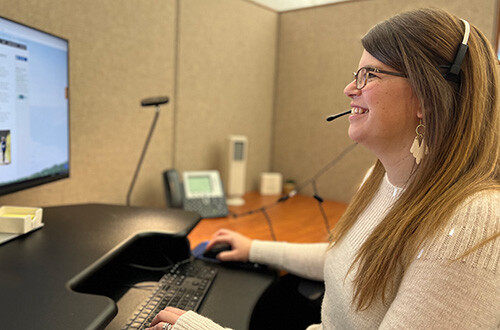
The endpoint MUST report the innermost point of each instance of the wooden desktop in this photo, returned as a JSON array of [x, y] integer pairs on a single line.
[[298, 219]]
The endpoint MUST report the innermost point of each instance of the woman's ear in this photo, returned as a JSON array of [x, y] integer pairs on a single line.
[[420, 113], [417, 106]]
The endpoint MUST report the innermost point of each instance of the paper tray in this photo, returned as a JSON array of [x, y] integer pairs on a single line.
[[19, 220]]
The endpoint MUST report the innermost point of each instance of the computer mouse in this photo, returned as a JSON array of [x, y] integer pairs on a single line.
[[216, 249]]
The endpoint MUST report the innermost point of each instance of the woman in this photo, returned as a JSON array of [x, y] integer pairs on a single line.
[[418, 246]]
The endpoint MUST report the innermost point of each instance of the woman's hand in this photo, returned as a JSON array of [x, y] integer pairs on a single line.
[[240, 245], [169, 315]]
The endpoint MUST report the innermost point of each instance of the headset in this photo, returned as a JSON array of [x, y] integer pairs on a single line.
[[453, 73]]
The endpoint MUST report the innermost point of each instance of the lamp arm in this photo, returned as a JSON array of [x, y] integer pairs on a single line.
[[144, 149]]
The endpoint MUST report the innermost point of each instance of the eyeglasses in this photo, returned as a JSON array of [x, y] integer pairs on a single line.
[[362, 75]]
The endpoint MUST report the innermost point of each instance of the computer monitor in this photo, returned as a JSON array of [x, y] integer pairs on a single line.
[[498, 33], [34, 107]]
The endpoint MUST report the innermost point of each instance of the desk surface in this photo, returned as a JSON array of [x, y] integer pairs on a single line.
[[299, 219], [37, 269]]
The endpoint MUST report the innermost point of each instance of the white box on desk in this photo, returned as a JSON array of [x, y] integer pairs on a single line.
[[271, 183], [19, 220]]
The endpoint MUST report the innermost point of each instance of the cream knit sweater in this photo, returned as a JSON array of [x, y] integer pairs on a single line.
[[434, 293]]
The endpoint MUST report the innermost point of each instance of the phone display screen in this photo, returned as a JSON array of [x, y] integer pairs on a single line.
[[199, 184]]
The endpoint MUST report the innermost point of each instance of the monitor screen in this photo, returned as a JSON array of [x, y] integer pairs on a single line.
[[34, 107], [498, 32], [498, 42]]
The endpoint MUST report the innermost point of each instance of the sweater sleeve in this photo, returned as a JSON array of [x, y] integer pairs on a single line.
[[193, 321], [303, 259], [306, 259], [447, 289]]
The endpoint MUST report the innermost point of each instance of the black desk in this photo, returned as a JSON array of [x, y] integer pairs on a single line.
[[87, 248]]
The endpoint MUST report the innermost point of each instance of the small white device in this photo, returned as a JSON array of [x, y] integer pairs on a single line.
[[271, 184], [235, 168]]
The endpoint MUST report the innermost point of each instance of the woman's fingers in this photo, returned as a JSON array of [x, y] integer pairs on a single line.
[[168, 315]]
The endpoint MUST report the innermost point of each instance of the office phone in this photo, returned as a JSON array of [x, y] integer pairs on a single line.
[[200, 191]]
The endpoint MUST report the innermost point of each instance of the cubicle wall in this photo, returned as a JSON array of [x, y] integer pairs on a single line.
[[319, 48], [226, 77], [214, 59], [229, 67], [120, 52]]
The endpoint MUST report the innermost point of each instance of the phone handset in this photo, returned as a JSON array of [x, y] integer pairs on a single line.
[[173, 189]]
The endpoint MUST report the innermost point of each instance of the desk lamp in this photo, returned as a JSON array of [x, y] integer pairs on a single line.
[[156, 101]]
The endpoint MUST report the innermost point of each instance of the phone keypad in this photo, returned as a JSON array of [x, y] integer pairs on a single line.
[[207, 207]]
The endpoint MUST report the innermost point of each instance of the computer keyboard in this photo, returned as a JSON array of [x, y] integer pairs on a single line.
[[184, 287]]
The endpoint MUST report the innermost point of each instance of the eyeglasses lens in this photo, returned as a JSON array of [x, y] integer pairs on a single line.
[[361, 76]]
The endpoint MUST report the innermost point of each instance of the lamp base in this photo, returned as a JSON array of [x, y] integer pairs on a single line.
[[235, 201]]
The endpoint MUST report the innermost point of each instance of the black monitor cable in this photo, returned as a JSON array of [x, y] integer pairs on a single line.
[[163, 269]]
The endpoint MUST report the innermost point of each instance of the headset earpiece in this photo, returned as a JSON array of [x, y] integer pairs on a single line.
[[453, 73]]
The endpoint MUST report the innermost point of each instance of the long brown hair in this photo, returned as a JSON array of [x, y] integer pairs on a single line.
[[462, 127]]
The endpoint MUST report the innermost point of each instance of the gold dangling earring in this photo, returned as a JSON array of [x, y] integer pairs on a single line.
[[419, 148]]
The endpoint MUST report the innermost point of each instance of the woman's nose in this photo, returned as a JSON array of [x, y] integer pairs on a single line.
[[350, 90]]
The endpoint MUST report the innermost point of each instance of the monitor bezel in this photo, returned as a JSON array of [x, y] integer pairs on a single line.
[[497, 33], [31, 183]]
